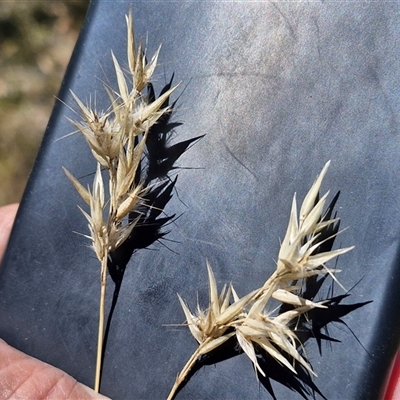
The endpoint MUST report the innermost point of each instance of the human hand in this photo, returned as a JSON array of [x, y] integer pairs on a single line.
[[22, 376]]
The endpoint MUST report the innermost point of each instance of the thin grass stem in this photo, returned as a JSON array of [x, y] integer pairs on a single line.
[[101, 324], [187, 368]]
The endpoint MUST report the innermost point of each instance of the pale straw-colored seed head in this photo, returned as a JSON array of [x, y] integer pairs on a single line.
[[117, 140], [250, 316]]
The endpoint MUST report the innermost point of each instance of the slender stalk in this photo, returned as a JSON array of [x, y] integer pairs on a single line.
[[117, 289], [187, 368], [101, 324], [271, 282]]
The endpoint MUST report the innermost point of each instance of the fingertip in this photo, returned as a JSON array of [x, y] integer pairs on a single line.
[[9, 211]]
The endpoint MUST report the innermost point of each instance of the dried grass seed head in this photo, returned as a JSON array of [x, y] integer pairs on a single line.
[[117, 139], [253, 326]]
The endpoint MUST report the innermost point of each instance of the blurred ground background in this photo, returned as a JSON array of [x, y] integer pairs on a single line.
[[36, 42]]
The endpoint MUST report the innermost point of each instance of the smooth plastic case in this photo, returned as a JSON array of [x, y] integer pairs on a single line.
[[278, 89]]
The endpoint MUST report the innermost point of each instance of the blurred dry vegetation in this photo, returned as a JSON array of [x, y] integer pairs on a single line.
[[36, 42]]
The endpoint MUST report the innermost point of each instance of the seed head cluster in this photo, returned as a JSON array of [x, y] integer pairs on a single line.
[[251, 318], [117, 139]]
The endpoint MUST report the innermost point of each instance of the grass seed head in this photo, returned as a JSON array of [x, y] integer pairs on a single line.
[[247, 317], [117, 140]]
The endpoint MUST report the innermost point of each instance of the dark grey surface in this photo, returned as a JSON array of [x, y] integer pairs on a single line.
[[278, 88]]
